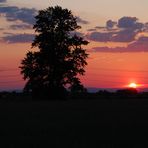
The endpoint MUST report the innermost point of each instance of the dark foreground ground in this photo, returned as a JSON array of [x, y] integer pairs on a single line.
[[74, 124]]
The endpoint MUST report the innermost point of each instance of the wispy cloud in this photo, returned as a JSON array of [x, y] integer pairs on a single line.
[[18, 38], [140, 45], [13, 13], [20, 26], [82, 21], [100, 36]]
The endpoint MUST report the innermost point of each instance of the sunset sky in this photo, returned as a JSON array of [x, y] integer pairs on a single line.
[[116, 29]]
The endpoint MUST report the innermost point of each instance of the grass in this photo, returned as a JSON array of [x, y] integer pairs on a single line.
[[74, 124]]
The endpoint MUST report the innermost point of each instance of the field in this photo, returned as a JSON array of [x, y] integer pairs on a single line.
[[74, 124]]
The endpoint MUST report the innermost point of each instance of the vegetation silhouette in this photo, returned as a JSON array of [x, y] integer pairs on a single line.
[[121, 94], [128, 91], [61, 57]]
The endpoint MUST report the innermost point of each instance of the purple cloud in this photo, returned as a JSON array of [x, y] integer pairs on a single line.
[[3, 1], [140, 45], [110, 24], [100, 27], [91, 30], [100, 37], [127, 22], [127, 35], [116, 36], [125, 30], [18, 38], [13, 13], [81, 21], [20, 26]]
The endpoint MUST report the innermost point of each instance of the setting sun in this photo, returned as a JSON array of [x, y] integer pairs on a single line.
[[133, 85]]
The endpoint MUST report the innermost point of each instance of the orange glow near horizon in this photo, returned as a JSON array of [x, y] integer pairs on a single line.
[[104, 70], [116, 70]]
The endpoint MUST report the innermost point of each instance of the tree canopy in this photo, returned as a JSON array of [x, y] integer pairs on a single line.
[[61, 58]]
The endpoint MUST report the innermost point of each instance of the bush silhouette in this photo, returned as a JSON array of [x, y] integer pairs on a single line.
[[128, 91]]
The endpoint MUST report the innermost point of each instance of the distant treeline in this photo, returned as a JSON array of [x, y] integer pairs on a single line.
[[101, 94], [129, 93]]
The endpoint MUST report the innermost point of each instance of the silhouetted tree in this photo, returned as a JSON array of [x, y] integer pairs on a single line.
[[60, 58]]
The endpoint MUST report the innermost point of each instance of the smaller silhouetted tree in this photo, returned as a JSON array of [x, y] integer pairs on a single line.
[[61, 57]]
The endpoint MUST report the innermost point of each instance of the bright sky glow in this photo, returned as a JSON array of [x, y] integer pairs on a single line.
[[133, 85]]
